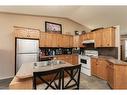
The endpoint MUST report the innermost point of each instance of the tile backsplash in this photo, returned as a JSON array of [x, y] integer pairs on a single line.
[[112, 51]]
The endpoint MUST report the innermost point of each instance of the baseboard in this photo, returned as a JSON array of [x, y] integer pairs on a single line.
[[6, 78]]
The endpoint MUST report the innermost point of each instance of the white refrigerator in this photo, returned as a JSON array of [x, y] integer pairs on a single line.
[[27, 51]]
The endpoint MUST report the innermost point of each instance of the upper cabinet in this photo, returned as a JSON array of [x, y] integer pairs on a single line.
[[55, 40], [98, 38], [27, 33], [108, 39], [87, 36], [43, 39], [105, 37], [75, 41]]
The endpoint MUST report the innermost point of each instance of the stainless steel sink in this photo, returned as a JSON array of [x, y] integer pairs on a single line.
[[46, 63]]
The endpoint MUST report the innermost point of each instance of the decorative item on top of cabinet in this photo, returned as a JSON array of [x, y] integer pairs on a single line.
[[23, 32], [53, 27]]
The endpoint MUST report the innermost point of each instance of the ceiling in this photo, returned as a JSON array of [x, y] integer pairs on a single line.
[[90, 16]]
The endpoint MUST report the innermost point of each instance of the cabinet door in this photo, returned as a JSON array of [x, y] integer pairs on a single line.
[[60, 57], [98, 38], [90, 36], [75, 41], [102, 69], [108, 37], [65, 41], [54, 40], [74, 59], [22, 33], [94, 66], [48, 40], [70, 41], [68, 58], [110, 77], [59, 40], [42, 39], [81, 40]]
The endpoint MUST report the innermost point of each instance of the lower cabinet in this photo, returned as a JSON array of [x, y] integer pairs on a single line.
[[94, 66], [99, 68], [114, 74], [110, 75], [73, 59]]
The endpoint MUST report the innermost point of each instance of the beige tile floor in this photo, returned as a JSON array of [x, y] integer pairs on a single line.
[[92, 82]]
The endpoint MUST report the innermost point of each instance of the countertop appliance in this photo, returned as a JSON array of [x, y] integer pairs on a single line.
[[27, 50], [85, 60]]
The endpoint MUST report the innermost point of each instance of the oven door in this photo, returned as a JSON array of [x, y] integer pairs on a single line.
[[85, 61]]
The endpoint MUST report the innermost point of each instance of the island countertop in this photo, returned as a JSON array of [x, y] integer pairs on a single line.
[[26, 70], [23, 78]]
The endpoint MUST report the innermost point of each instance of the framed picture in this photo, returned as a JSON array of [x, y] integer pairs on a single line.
[[53, 27]]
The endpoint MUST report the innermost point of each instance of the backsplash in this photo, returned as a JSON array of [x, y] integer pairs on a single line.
[[108, 52]]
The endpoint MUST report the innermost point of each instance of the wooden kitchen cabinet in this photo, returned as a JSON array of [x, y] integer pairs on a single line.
[[94, 66], [43, 39], [65, 41], [108, 37], [66, 58], [99, 68], [54, 41], [110, 75], [81, 39], [105, 37], [59, 40], [117, 76], [27, 33], [49, 40], [114, 73], [98, 38], [72, 59], [87, 36], [75, 41], [102, 69], [70, 41]]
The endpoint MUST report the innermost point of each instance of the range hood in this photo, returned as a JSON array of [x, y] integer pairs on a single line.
[[88, 42]]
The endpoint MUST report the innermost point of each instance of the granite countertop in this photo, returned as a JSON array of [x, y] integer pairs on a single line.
[[26, 70], [112, 60]]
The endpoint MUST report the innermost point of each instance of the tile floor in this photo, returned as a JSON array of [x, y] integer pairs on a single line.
[[86, 83], [92, 82]]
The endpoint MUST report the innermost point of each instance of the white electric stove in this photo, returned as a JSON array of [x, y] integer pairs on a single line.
[[85, 60]]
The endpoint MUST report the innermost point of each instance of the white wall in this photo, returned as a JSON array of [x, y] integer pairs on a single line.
[[7, 40]]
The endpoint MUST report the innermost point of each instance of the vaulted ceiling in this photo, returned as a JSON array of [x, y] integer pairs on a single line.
[[90, 16]]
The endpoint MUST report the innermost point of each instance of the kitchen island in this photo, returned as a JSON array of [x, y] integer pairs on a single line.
[[23, 78]]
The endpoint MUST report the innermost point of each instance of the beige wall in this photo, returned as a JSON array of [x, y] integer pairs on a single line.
[[7, 43]]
